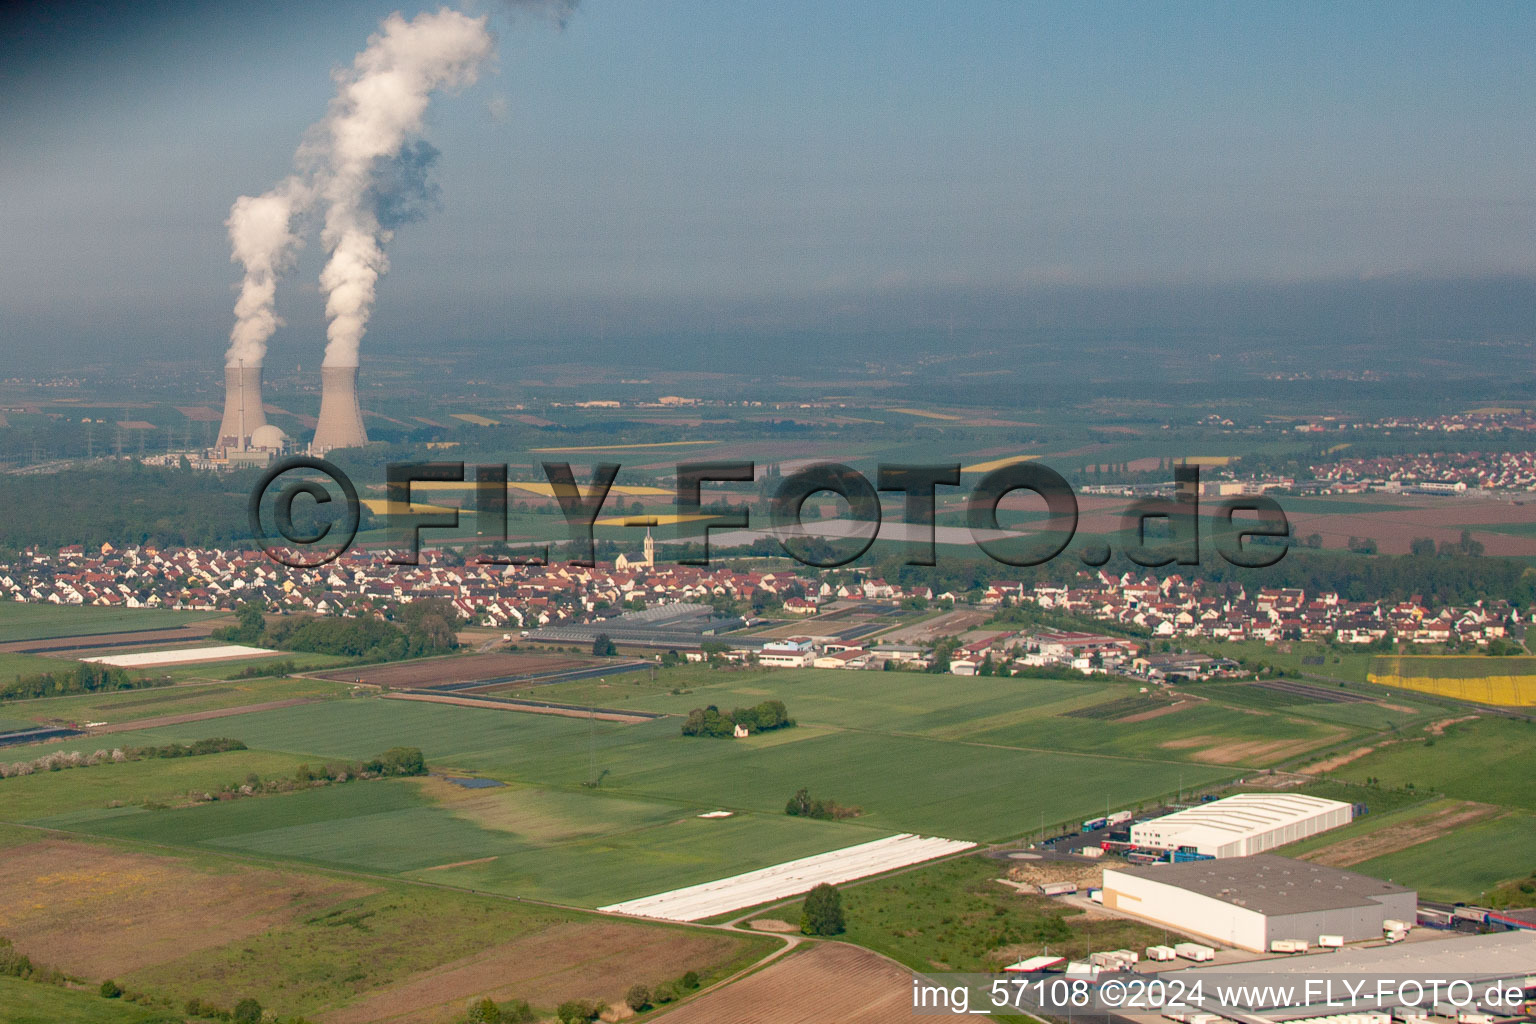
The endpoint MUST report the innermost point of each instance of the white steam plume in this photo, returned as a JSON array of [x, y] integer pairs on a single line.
[[380, 103], [262, 240]]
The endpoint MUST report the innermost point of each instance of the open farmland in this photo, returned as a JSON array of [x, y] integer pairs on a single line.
[[455, 671], [1466, 862], [91, 790], [27, 1002], [1395, 526], [135, 705], [904, 782], [1426, 823], [178, 927], [1507, 681], [24, 621], [1475, 832], [568, 847], [1486, 760], [831, 981]]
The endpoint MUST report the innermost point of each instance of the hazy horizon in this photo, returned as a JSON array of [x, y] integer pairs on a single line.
[[709, 170]]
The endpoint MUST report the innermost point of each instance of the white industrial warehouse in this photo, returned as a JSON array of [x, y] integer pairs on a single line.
[[1242, 825], [1252, 902]]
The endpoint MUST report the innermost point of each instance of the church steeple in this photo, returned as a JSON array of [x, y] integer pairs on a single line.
[[650, 549]]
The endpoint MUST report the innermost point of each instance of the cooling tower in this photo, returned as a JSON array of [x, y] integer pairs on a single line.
[[242, 406], [341, 420]]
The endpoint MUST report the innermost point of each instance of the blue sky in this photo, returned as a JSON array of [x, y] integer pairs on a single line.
[[687, 155]]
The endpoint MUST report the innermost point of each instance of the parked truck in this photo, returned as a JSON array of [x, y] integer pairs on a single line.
[[1118, 818], [1194, 951], [1289, 946], [1094, 824], [1058, 888], [1330, 941], [1160, 953]]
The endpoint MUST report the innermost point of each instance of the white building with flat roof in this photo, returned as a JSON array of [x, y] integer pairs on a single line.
[[1250, 902], [1242, 825]]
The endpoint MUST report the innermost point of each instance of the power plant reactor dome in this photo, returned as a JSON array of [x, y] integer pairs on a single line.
[[269, 437]]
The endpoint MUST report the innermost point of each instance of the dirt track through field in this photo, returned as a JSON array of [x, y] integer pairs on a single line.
[[200, 716], [1147, 716], [529, 709], [829, 982], [1396, 837], [1337, 761], [471, 668]]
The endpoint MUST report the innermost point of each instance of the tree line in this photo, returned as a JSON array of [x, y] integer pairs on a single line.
[[764, 717], [419, 629], [802, 805], [85, 677]]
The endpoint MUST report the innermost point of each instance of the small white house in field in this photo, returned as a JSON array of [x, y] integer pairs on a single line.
[[740, 732], [963, 667]]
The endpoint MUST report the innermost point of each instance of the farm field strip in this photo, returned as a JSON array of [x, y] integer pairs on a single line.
[[904, 783], [738, 892], [1503, 682], [832, 981], [1444, 817], [474, 669], [156, 704], [1464, 863], [26, 621], [182, 656]]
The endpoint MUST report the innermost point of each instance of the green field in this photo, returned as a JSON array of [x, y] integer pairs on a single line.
[[155, 702], [22, 621], [13, 665], [953, 916], [1204, 732], [592, 851], [1464, 865], [367, 944], [87, 791], [27, 1002], [1025, 713], [1488, 761], [903, 782]]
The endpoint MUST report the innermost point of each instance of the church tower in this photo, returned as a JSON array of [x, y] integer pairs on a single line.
[[650, 550]]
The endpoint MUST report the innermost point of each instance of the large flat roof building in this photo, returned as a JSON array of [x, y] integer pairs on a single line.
[[1250, 902], [1242, 825], [1476, 958]]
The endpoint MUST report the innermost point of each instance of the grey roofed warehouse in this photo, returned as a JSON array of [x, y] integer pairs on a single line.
[[1250, 902]]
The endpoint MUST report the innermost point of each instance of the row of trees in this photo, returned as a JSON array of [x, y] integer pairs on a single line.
[[394, 762], [85, 677], [801, 805], [764, 717], [59, 760]]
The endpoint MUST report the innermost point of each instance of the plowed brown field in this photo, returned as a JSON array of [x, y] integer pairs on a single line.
[[830, 982]]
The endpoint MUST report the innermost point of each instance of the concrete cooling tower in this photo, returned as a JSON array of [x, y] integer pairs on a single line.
[[341, 419], [242, 406]]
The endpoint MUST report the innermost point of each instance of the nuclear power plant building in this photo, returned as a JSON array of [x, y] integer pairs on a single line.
[[243, 414], [341, 418]]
